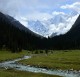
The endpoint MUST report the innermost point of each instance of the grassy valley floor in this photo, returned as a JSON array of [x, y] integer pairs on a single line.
[[14, 73], [6, 55], [67, 59]]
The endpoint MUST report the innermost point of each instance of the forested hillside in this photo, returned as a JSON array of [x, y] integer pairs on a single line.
[[15, 37]]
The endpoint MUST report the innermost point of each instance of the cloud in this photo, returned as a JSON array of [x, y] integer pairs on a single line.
[[62, 28], [38, 16], [75, 7], [13, 7], [57, 13], [42, 10], [70, 21]]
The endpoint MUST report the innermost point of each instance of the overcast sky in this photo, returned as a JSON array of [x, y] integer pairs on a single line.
[[24, 10], [33, 7]]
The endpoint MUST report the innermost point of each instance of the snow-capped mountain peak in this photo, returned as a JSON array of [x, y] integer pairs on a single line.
[[57, 24], [38, 27]]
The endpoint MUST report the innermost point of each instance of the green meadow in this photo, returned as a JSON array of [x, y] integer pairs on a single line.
[[55, 59], [61, 59], [6, 55], [15, 73]]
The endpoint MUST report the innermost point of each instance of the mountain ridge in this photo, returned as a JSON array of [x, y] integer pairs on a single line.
[[14, 38], [17, 39], [20, 26]]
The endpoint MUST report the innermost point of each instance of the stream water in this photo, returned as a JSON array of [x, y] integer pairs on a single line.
[[17, 66]]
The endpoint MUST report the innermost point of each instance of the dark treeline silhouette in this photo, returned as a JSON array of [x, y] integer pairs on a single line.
[[70, 40], [15, 37]]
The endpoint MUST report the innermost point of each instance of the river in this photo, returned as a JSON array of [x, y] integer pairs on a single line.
[[13, 64]]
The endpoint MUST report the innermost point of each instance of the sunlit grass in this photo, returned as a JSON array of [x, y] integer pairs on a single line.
[[15, 73], [67, 59], [7, 55]]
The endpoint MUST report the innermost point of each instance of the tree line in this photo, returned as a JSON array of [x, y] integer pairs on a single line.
[[14, 39]]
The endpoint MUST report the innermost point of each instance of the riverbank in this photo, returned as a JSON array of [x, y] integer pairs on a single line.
[[7, 55], [12, 64], [54, 57], [15, 73], [7, 72], [65, 60]]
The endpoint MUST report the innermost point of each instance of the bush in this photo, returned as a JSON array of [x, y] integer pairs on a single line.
[[36, 52], [46, 51], [41, 51]]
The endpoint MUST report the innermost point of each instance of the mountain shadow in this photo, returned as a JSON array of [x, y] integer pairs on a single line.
[[15, 37], [70, 40]]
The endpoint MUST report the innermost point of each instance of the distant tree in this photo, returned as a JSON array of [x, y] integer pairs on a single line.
[[36, 52], [46, 51], [41, 51]]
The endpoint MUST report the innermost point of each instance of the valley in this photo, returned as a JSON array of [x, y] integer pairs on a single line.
[[46, 48], [64, 63]]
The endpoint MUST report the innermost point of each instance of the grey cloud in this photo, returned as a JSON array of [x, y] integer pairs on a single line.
[[12, 7]]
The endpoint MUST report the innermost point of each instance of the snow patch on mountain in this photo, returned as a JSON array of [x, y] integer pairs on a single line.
[[59, 23]]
